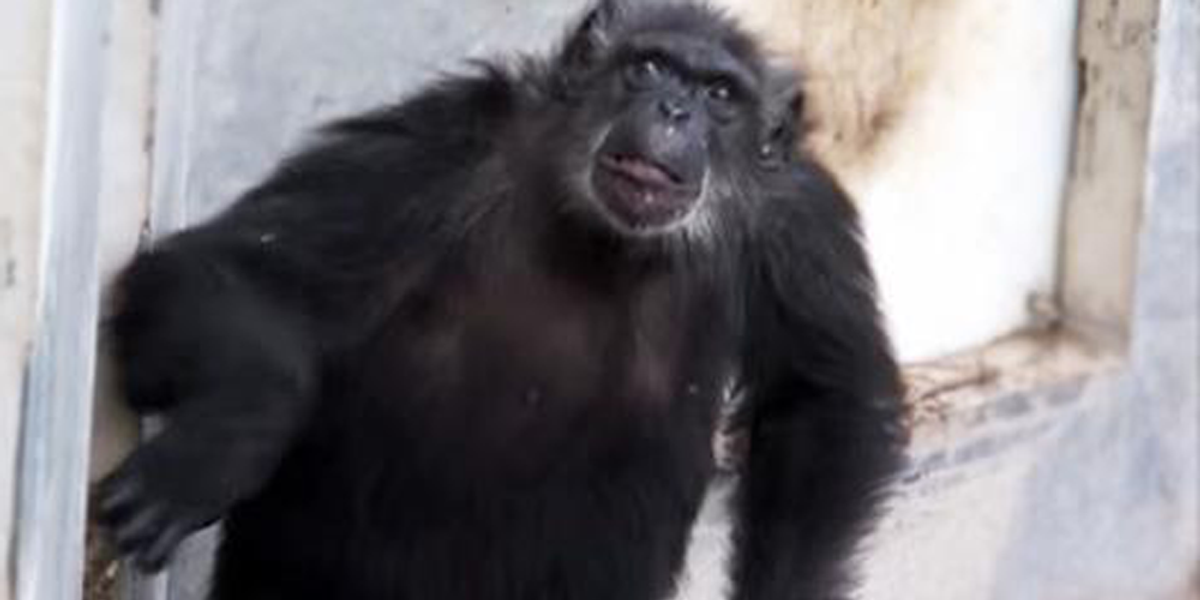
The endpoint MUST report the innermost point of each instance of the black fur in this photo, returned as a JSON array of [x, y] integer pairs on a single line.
[[419, 363]]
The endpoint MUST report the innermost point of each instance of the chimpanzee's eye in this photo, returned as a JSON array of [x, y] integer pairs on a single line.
[[645, 71], [723, 98], [720, 91]]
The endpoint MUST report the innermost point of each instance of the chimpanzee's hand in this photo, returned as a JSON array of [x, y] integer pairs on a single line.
[[170, 487]]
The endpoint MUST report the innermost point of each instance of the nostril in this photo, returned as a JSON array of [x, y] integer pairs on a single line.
[[674, 110]]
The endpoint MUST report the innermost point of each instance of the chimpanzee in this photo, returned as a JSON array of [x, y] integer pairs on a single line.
[[475, 345]]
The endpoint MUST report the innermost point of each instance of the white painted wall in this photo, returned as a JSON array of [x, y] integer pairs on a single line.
[[962, 210]]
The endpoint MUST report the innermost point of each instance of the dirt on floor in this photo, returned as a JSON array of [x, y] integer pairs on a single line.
[[100, 574]]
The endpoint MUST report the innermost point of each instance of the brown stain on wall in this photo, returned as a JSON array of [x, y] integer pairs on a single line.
[[863, 61]]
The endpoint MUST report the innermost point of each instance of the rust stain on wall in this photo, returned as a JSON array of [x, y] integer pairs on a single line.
[[863, 60]]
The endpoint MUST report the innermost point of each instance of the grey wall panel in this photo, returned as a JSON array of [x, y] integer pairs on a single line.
[[242, 82]]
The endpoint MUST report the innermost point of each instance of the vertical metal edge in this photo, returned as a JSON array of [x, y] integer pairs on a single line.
[[57, 400]]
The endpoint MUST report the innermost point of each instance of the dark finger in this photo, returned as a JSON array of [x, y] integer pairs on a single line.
[[156, 555], [117, 494], [142, 526]]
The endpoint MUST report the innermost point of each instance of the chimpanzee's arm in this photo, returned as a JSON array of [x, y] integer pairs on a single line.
[[224, 328], [823, 402]]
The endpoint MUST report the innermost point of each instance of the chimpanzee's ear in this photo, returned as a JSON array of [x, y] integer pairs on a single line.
[[783, 116], [591, 37]]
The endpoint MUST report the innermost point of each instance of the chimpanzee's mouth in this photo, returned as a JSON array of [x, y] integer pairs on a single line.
[[640, 170], [641, 193]]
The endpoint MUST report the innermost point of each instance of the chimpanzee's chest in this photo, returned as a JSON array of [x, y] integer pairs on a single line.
[[520, 371]]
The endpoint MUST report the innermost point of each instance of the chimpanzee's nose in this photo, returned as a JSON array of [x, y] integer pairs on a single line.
[[674, 110]]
